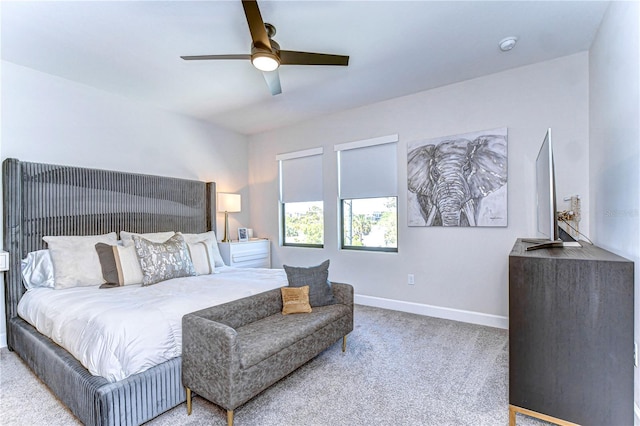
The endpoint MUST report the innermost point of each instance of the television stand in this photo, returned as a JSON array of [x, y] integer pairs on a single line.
[[564, 240], [544, 244], [571, 335], [538, 245]]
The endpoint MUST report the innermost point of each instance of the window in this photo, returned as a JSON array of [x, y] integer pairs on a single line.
[[370, 223], [301, 205], [303, 223], [368, 193]]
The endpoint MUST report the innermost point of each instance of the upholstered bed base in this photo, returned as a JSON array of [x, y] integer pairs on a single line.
[[92, 399], [45, 199]]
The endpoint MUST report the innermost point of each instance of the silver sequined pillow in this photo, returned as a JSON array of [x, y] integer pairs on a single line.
[[163, 261]]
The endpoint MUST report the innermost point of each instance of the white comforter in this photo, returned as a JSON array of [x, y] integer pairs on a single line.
[[121, 331]]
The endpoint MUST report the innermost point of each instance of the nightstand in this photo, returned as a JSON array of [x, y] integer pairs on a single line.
[[246, 254]]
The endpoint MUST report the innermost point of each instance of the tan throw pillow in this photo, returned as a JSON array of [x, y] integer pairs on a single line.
[[295, 300]]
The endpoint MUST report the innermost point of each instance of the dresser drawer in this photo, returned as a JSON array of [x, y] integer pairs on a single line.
[[247, 254]]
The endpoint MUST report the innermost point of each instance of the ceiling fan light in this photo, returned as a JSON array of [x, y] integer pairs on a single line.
[[265, 61]]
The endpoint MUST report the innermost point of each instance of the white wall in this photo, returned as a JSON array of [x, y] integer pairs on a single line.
[[614, 118], [454, 268], [52, 120]]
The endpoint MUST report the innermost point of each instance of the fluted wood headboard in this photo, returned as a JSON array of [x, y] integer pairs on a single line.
[[45, 199]]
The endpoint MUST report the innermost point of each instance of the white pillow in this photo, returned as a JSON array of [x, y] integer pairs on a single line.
[[75, 260], [202, 256], [154, 237], [211, 239], [196, 238], [37, 270], [129, 264]]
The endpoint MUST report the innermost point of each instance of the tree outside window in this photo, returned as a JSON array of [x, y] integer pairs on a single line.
[[303, 223]]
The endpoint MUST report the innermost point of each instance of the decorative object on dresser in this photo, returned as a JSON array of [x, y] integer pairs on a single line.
[[243, 234], [570, 335], [246, 254], [228, 203]]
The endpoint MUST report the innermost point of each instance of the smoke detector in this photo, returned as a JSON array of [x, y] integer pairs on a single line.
[[508, 43]]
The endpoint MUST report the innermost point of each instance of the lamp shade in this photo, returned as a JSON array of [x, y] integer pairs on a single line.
[[228, 202]]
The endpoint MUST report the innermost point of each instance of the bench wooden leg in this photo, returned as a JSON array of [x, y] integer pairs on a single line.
[[344, 343], [229, 417], [188, 401]]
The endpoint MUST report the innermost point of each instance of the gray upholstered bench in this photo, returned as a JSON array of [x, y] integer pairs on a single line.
[[232, 352]]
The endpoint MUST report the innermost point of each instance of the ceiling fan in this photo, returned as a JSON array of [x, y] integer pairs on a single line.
[[266, 54]]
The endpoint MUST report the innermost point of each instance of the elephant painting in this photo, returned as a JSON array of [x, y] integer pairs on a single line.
[[458, 181]]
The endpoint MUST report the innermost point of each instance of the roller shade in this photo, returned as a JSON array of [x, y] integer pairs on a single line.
[[301, 176], [368, 168]]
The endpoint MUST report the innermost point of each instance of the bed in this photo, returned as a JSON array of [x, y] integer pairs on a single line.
[[48, 200]]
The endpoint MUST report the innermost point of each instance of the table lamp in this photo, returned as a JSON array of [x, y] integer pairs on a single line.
[[228, 203]]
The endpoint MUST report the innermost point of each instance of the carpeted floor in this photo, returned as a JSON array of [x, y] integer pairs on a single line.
[[399, 369]]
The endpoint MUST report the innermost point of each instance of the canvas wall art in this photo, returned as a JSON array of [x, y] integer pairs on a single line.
[[458, 180]]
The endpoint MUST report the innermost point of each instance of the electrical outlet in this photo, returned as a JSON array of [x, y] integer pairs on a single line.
[[410, 279], [635, 354]]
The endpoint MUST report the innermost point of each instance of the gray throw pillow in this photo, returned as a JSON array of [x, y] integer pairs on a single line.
[[316, 277], [108, 263], [163, 261]]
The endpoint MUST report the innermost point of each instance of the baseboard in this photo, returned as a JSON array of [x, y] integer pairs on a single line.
[[434, 311]]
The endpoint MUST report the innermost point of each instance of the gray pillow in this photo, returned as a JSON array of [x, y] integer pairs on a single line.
[[163, 261], [108, 263], [316, 277]]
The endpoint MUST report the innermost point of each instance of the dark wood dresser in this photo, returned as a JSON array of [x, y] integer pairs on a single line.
[[571, 335]]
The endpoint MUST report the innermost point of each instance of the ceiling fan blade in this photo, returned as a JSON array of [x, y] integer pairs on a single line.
[[207, 57], [259, 34], [273, 81], [289, 57]]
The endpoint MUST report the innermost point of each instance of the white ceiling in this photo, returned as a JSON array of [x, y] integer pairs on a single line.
[[396, 48]]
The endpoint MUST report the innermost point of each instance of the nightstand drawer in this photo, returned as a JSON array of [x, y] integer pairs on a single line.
[[4, 260], [247, 254]]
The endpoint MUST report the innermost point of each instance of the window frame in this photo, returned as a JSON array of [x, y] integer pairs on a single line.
[[281, 158], [283, 230], [367, 143], [343, 246]]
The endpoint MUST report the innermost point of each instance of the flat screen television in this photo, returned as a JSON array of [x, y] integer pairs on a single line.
[[547, 219], [546, 191]]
